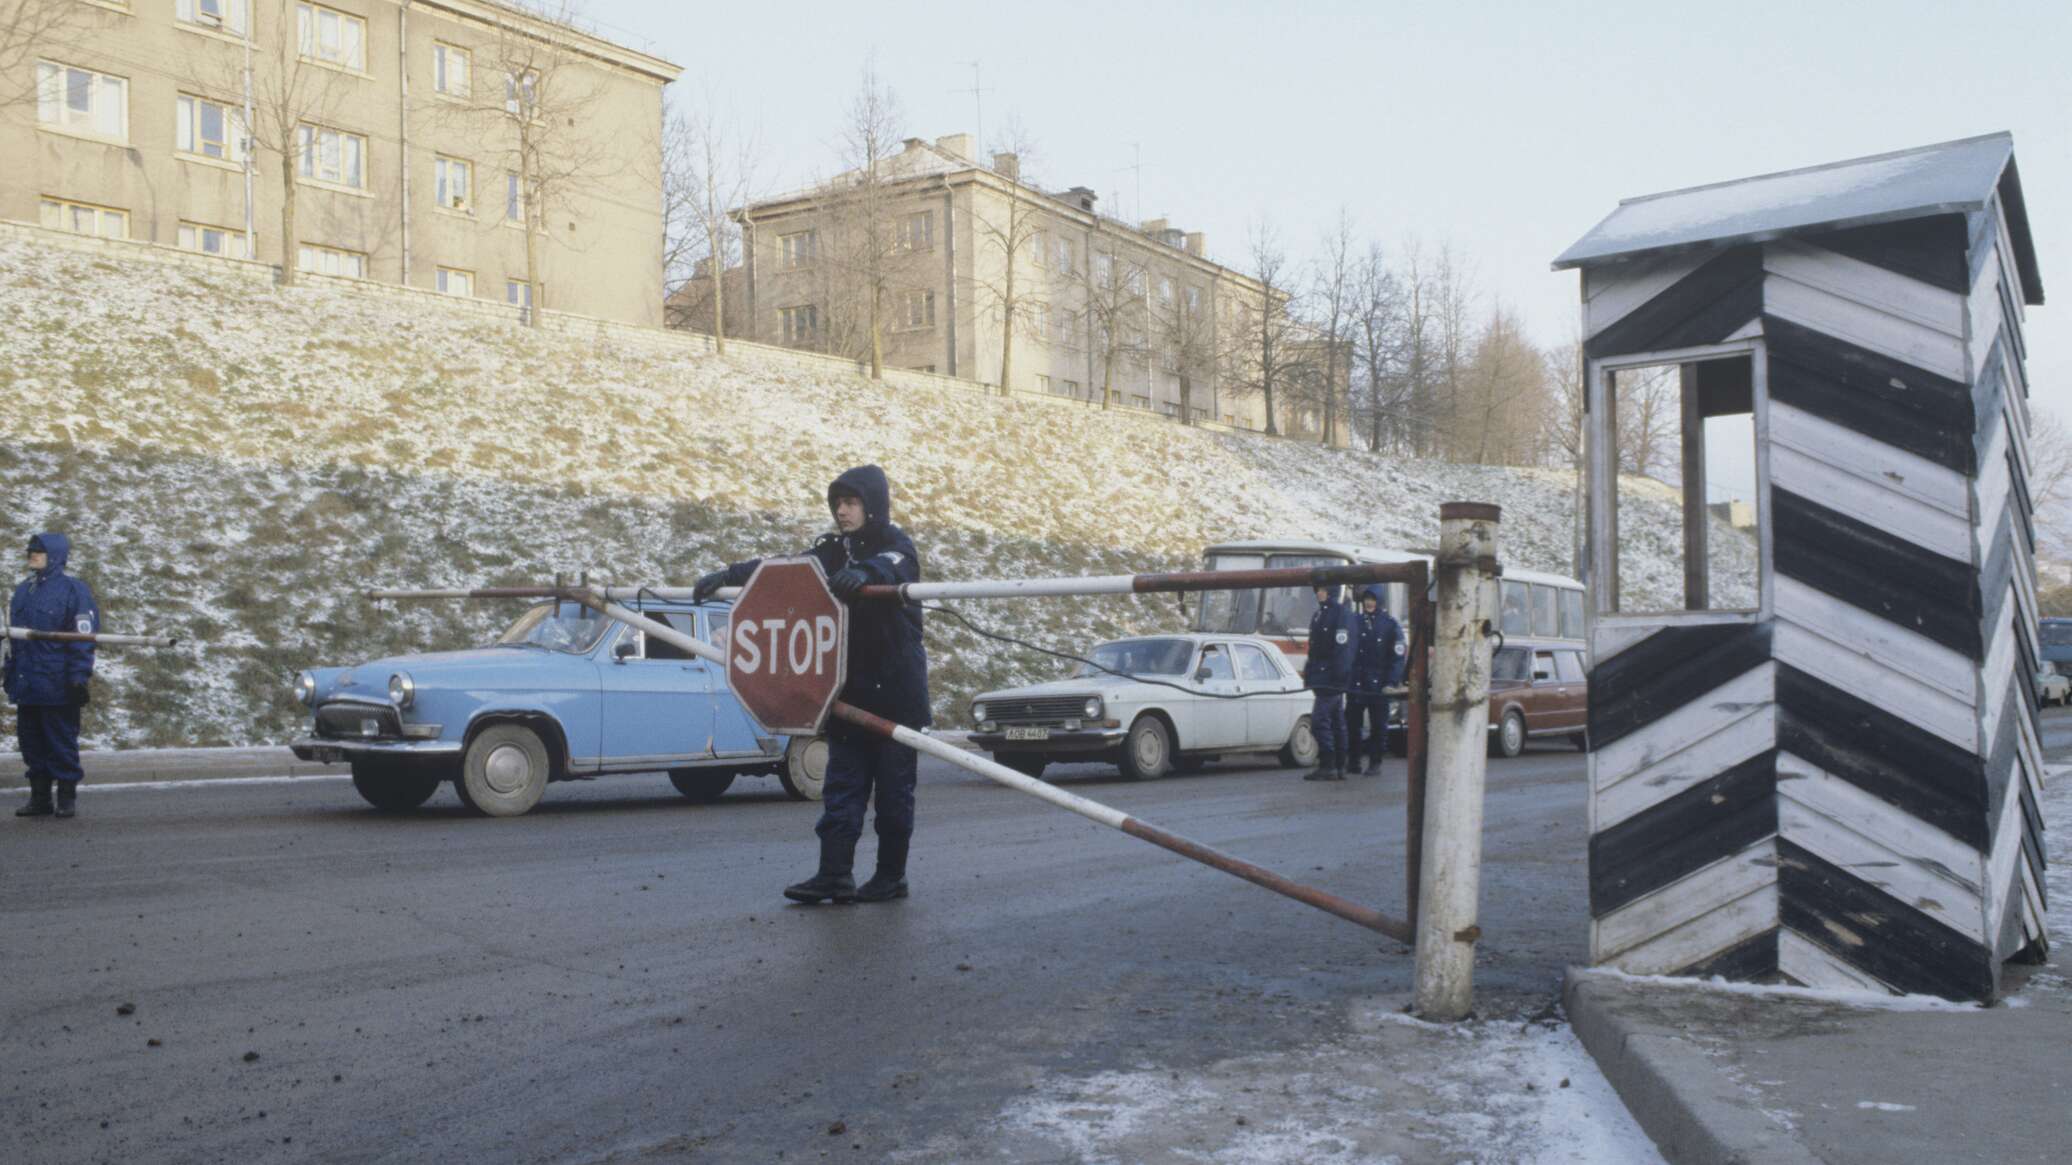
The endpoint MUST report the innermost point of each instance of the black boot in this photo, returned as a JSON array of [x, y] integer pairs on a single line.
[[68, 798], [889, 881], [833, 880], [1323, 770], [39, 799]]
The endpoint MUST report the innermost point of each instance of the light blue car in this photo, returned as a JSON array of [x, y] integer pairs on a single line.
[[564, 694]]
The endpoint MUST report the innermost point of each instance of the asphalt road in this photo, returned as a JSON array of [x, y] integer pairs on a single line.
[[615, 976]]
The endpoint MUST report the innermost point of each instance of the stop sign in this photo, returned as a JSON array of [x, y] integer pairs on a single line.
[[788, 646]]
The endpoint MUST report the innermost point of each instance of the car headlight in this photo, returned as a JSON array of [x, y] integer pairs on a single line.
[[978, 712], [1093, 707], [402, 692], [306, 689]]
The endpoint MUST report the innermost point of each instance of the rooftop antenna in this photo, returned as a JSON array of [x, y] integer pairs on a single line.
[[978, 103], [1136, 169]]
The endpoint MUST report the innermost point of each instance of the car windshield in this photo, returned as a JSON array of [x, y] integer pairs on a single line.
[[1140, 657], [569, 627]]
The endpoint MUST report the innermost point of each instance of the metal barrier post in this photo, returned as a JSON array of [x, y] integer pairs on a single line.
[[1450, 881]]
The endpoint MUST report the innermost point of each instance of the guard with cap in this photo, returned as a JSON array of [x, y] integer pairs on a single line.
[[888, 676], [47, 681], [1378, 661], [1328, 673]]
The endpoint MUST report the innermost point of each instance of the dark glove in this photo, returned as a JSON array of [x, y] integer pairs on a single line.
[[847, 581], [708, 585], [79, 694]]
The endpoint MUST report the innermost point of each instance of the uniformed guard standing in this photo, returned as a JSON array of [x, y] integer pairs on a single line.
[[1328, 673], [1377, 665], [46, 681], [888, 675]]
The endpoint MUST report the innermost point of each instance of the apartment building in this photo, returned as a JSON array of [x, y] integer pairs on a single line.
[[1092, 304], [170, 121]]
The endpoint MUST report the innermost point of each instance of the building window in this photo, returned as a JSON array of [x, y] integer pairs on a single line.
[[193, 236], [82, 101], [450, 69], [227, 15], [522, 92], [331, 261], [1072, 389], [801, 324], [918, 232], [1194, 301], [208, 129], [455, 181], [518, 292], [514, 199], [1165, 293], [1133, 280], [1040, 244], [81, 218], [453, 281], [1139, 400], [1063, 252], [333, 37], [797, 250], [1104, 271], [334, 156], [1040, 316], [1043, 383], [917, 309]]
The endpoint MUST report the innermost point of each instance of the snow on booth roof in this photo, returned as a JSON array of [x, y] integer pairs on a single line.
[[1950, 177]]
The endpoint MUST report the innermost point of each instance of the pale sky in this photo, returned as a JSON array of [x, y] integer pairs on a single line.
[[1507, 128]]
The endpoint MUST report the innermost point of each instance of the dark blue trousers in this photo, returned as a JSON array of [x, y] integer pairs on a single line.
[[858, 770], [1327, 724], [49, 737], [1367, 725]]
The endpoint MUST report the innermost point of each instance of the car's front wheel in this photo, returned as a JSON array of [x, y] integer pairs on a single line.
[[391, 787], [1301, 750], [1147, 752], [1510, 735], [504, 772], [701, 785], [804, 772]]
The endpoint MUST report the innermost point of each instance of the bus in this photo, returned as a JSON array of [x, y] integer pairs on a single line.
[[1532, 604]]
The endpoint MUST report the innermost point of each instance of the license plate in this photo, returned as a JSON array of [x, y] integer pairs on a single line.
[[1028, 734]]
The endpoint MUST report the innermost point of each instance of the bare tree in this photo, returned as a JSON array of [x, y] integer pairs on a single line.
[[2050, 481], [1008, 233], [1452, 305], [1113, 292], [1502, 396], [544, 123], [866, 252], [1648, 411], [29, 29], [1419, 362], [708, 175], [1379, 343], [1332, 295], [1185, 335], [1261, 353]]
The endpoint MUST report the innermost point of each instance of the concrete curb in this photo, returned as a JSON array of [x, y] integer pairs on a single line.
[[1673, 1087]]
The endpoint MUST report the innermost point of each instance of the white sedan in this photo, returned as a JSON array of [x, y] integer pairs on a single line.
[[1153, 705]]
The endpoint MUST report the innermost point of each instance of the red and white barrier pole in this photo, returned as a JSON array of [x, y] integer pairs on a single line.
[[101, 638]]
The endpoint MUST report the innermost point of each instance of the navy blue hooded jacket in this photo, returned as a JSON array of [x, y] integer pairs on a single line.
[[1379, 658], [888, 665], [1332, 633], [42, 674]]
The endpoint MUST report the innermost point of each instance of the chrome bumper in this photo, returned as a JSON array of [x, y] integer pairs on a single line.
[[1060, 740], [328, 751]]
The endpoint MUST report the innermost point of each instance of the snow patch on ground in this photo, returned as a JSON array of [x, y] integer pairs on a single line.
[[1865, 999], [1395, 1089]]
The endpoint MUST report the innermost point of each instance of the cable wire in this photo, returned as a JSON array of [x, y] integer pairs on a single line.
[[1023, 643]]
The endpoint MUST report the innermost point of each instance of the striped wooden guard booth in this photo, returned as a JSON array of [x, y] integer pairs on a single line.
[[1823, 765]]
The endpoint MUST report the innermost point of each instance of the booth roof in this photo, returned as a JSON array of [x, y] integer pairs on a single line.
[[1959, 177]]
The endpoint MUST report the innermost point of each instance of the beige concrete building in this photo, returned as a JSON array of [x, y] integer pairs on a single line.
[[400, 117], [1092, 301]]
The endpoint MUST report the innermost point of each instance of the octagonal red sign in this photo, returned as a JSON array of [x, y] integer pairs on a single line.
[[788, 646]]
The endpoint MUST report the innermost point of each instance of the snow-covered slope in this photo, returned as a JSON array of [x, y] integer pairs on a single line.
[[235, 462]]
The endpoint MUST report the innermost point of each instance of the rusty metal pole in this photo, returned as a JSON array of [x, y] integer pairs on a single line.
[[1451, 879], [102, 638]]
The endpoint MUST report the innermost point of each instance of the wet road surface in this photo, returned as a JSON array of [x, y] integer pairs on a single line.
[[615, 976]]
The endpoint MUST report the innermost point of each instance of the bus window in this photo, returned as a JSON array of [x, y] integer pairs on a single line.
[[1571, 614], [1230, 612], [1546, 619], [1286, 610], [1517, 609]]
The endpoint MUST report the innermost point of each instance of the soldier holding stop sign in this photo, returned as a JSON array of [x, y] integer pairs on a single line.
[[888, 676]]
